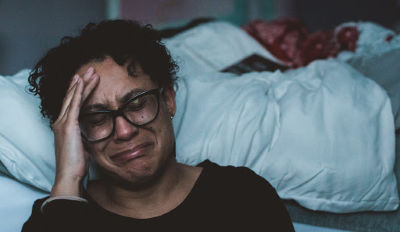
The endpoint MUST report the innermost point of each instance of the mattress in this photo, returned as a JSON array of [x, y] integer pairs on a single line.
[[363, 221]]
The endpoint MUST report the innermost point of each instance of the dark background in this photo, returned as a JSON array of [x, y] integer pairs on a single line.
[[28, 28]]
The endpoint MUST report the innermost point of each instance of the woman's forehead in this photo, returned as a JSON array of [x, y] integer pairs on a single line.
[[115, 83]]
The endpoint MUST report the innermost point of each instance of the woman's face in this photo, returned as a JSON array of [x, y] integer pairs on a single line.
[[132, 155]]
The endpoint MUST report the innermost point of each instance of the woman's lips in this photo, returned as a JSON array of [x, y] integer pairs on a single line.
[[136, 152]]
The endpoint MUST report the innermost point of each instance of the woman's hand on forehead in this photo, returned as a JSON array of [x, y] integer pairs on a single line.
[[71, 157], [91, 80]]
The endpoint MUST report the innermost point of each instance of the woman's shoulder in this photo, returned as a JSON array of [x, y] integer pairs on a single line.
[[239, 178]]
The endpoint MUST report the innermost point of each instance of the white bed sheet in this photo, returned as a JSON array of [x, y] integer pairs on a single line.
[[16, 200], [308, 228]]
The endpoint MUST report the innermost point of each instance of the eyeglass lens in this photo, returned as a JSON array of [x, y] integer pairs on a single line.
[[138, 111]]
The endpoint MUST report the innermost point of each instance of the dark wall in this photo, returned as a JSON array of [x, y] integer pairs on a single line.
[[28, 28], [326, 14]]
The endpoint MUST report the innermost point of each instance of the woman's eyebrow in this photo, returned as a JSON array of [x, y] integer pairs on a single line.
[[122, 100], [128, 96], [94, 107]]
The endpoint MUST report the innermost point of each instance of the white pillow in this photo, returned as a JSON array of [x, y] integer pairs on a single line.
[[322, 135], [377, 58], [26, 141], [213, 47]]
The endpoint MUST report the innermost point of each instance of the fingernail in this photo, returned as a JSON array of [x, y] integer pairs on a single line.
[[90, 70], [75, 78], [92, 77]]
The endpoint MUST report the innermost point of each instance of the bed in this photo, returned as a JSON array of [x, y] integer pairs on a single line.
[[323, 134]]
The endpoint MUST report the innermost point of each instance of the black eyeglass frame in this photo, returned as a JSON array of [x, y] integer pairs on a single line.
[[120, 112]]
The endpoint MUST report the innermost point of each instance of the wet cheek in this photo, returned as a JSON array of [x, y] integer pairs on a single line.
[[96, 150], [156, 129]]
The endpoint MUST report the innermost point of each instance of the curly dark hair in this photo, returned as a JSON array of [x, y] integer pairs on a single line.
[[126, 42]]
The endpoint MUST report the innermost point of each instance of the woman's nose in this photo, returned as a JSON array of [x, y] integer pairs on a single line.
[[123, 129]]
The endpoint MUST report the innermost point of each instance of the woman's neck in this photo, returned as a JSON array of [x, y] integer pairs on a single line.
[[162, 196]]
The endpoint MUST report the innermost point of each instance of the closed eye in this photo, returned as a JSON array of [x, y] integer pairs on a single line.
[[136, 104], [95, 119]]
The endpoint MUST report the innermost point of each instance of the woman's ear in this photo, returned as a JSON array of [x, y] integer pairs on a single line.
[[169, 97]]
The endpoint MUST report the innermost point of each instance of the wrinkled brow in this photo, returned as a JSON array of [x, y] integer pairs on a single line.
[[131, 94], [99, 106]]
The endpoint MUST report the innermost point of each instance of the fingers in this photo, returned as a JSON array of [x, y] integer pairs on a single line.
[[87, 83], [90, 85], [74, 108], [90, 79], [83, 89], [88, 74], [69, 95]]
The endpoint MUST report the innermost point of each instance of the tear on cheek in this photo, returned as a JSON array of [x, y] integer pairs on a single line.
[[159, 130]]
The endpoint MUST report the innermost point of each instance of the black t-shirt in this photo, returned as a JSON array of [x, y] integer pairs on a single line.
[[223, 199]]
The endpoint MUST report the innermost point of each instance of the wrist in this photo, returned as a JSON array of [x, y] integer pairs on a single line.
[[67, 186], [69, 198]]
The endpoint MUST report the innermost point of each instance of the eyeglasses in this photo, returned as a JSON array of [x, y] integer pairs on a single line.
[[138, 111]]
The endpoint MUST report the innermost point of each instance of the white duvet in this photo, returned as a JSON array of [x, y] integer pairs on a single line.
[[322, 135]]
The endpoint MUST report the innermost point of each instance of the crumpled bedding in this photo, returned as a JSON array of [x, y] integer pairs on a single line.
[[212, 47], [322, 135], [377, 57]]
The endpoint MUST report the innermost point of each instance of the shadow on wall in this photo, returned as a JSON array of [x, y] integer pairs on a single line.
[[317, 14], [29, 28], [2, 48]]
